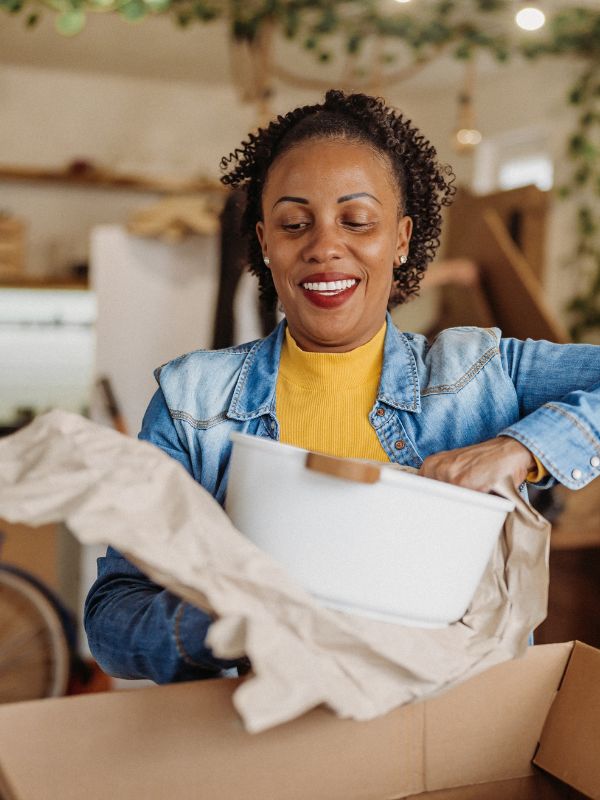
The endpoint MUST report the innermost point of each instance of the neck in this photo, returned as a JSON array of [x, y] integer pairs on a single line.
[[320, 346]]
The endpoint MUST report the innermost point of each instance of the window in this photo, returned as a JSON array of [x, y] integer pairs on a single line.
[[513, 159]]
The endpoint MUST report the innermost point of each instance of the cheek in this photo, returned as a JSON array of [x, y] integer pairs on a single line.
[[380, 258]]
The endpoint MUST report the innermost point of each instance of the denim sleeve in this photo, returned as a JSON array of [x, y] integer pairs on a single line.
[[135, 628], [558, 390]]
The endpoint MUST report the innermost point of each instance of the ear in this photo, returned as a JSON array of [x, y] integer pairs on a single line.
[[260, 232], [405, 228]]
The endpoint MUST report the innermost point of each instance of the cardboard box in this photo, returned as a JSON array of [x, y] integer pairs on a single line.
[[185, 741], [31, 549], [12, 247]]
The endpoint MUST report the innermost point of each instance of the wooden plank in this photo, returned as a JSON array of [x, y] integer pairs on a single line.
[[103, 178]]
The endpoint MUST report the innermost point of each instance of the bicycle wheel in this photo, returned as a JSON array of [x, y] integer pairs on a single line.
[[34, 653]]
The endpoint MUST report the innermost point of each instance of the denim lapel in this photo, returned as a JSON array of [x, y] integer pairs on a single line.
[[254, 394], [399, 383]]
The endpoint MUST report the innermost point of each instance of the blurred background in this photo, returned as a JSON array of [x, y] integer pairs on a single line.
[[118, 245]]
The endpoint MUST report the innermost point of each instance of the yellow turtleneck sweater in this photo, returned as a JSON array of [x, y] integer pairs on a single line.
[[323, 400]]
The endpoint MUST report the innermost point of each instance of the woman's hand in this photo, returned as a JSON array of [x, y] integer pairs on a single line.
[[481, 465]]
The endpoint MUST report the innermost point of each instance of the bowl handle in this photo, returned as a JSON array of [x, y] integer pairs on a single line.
[[357, 471]]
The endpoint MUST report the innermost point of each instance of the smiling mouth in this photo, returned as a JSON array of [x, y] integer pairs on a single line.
[[329, 288]]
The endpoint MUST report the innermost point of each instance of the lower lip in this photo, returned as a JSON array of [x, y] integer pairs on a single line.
[[329, 300]]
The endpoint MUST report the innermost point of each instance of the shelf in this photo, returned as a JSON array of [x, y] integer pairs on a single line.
[[83, 174], [43, 283]]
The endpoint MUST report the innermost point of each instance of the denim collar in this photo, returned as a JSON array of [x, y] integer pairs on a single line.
[[254, 393]]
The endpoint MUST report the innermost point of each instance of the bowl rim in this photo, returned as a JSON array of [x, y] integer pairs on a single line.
[[391, 474]]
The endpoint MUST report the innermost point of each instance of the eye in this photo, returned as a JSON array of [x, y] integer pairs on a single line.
[[358, 224], [294, 226]]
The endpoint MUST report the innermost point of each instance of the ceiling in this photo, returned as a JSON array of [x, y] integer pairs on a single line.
[[156, 48], [152, 48]]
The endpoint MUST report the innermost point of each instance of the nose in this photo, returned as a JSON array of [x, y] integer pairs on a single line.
[[324, 244]]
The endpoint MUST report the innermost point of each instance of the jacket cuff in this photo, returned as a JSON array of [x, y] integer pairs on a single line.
[[562, 442]]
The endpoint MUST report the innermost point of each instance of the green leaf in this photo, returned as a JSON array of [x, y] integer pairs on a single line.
[[354, 42], [445, 7], [463, 52], [157, 6], [582, 175], [202, 11], [70, 22], [576, 96], [13, 6], [134, 10]]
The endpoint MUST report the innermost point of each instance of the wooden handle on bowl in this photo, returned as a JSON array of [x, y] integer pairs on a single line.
[[357, 471]]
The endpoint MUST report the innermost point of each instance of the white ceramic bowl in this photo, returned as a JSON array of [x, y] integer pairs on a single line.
[[399, 547]]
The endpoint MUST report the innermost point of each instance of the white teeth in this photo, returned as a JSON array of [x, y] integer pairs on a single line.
[[329, 286]]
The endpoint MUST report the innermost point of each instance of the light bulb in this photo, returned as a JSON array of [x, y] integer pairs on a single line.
[[403, 1], [530, 18], [468, 137]]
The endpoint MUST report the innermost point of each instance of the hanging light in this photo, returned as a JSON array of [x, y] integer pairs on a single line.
[[466, 136], [403, 1], [530, 18]]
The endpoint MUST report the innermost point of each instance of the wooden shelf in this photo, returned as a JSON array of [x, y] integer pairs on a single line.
[[30, 282], [88, 175]]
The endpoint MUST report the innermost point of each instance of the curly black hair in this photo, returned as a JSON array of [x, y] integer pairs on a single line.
[[424, 184]]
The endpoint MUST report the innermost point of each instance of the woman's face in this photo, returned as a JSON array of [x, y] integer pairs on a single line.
[[332, 232]]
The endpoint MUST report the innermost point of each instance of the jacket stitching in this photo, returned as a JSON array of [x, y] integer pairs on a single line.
[[572, 418], [415, 379], [413, 372], [200, 424], [466, 378], [243, 373], [230, 351]]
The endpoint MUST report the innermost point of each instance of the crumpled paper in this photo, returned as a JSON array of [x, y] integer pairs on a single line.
[[109, 488]]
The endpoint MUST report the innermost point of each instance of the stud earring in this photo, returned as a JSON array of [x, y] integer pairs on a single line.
[[403, 259], [267, 260]]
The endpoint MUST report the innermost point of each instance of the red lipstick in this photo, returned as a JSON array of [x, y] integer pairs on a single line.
[[329, 296]]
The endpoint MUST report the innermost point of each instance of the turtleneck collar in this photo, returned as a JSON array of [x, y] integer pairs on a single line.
[[344, 370]]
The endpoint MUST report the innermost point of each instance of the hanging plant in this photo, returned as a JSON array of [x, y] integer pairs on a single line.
[[414, 37]]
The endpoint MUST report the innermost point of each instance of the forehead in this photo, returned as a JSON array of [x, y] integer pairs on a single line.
[[321, 164]]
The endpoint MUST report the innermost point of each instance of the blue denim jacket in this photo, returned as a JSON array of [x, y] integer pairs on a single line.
[[468, 386]]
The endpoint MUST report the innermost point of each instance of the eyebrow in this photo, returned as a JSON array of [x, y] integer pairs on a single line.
[[347, 197], [343, 199], [289, 199]]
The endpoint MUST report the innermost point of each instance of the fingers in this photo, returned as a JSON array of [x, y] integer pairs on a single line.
[[479, 466]]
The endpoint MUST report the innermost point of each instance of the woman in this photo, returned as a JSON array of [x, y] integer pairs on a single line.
[[343, 216]]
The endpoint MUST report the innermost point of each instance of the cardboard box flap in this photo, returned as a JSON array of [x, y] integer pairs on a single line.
[[185, 742], [491, 725], [570, 742]]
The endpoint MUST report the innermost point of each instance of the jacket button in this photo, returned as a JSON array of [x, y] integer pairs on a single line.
[[380, 412], [595, 461], [399, 445], [576, 474]]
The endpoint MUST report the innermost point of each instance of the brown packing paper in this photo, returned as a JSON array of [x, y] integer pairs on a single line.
[[113, 489]]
